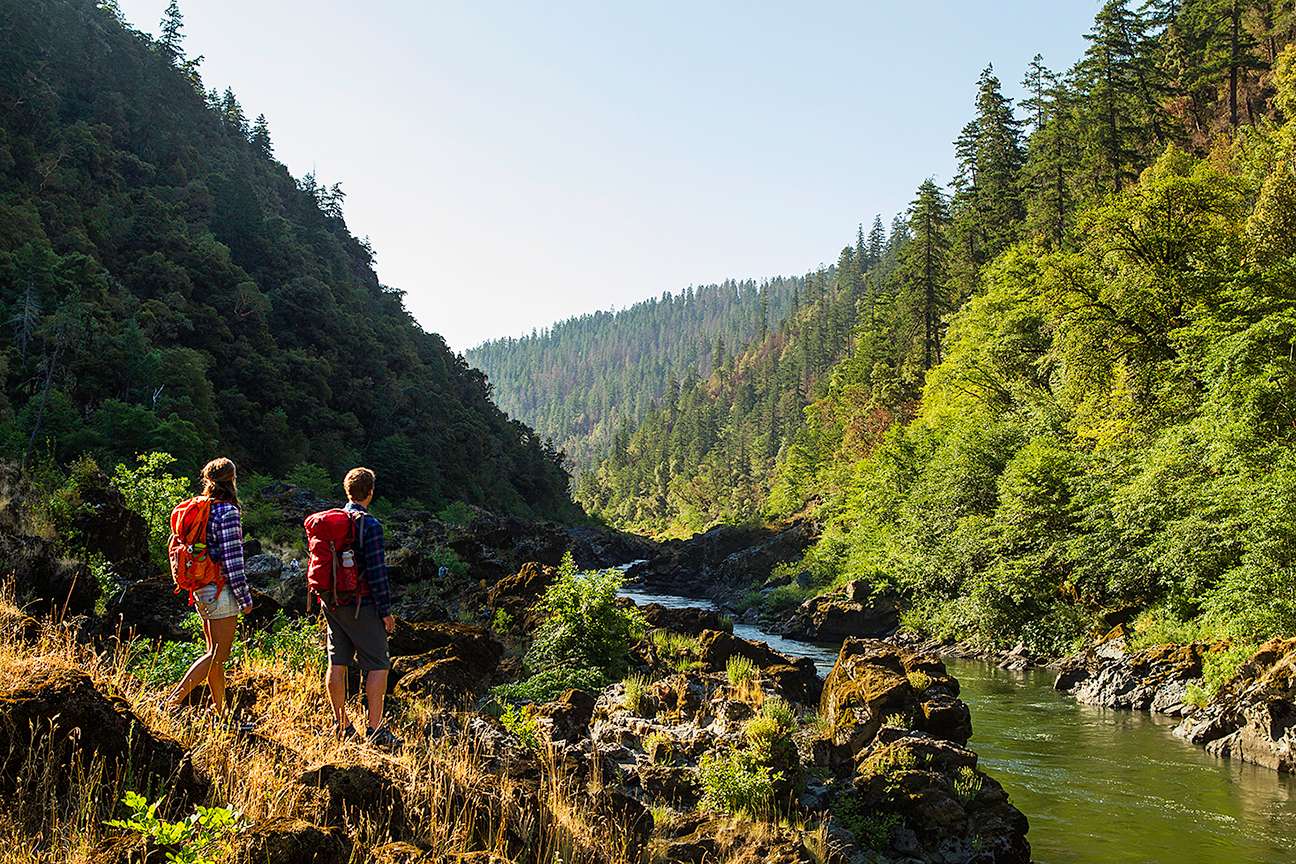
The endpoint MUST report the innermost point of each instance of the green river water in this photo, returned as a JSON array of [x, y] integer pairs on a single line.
[[1101, 786]]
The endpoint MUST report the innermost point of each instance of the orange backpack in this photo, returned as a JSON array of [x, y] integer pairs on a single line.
[[192, 566]]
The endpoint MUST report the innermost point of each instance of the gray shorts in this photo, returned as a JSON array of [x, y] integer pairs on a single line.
[[356, 635]]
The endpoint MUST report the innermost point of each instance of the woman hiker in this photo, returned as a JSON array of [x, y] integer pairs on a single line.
[[220, 603]]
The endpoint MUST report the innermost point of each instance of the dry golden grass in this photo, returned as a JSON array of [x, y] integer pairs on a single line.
[[453, 803]]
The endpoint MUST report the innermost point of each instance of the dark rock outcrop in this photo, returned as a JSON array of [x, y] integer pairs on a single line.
[[873, 681], [353, 792], [839, 616], [1253, 716], [793, 678], [441, 661], [689, 620], [1152, 679], [722, 563], [292, 841]]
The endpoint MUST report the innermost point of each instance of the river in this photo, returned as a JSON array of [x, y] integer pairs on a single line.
[[1100, 785]]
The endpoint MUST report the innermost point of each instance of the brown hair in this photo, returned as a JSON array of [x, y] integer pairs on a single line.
[[359, 484], [220, 480]]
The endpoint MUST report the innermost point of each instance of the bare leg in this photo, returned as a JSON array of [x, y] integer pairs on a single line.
[[197, 672], [335, 683], [222, 634], [375, 692]]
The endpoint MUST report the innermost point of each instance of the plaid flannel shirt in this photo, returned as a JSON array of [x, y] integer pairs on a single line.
[[225, 545], [375, 561]]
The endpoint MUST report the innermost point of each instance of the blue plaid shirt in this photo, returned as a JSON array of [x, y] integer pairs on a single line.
[[374, 558], [225, 545]]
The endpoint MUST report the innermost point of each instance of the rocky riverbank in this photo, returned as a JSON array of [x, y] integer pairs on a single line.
[[714, 748]]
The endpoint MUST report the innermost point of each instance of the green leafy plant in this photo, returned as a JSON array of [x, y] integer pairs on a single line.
[[456, 515], [871, 829], [584, 626], [736, 782], [203, 838], [895, 721], [520, 720], [548, 684], [502, 623], [919, 680]]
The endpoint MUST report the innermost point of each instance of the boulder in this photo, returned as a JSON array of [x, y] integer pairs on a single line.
[[689, 620], [796, 678], [452, 660], [836, 617], [352, 792], [519, 590], [292, 841], [148, 608], [873, 681], [285, 584], [60, 716], [568, 716], [948, 810]]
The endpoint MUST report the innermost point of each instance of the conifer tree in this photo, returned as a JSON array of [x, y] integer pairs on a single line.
[[923, 270], [260, 137], [171, 35]]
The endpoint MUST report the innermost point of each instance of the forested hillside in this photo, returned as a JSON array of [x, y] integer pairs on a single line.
[[586, 380], [708, 451], [167, 285], [1073, 400]]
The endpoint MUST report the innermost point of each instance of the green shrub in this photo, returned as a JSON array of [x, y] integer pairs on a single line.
[[919, 680], [1219, 667], [895, 721], [584, 626], [316, 479], [781, 712], [548, 685], [264, 520], [502, 623], [152, 491], [293, 644], [872, 830], [736, 782], [520, 720], [456, 515], [740, 670], [447, 557], [203, 838]]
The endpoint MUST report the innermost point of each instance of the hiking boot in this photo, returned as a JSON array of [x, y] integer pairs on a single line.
[[382, 737], [347, 733]]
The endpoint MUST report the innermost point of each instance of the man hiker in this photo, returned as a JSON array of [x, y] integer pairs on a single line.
[[360, 622]]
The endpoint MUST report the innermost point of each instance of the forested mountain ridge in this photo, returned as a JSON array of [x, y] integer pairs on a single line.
[[587, 379], [1072, 402], [167, 285], [709, 450]]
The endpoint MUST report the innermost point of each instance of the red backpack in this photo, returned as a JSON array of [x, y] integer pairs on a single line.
[[334, 540], [192, 566]]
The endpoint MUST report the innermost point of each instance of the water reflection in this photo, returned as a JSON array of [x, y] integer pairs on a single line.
[[1099, 785]]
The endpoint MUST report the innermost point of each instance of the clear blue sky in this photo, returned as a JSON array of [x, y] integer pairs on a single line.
[[517, 163]]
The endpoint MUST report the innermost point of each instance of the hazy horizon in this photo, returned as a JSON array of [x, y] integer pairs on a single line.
[[517, 166]]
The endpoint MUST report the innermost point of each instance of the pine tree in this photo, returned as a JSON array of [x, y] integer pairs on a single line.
[[923, 271], [1053, 153], [1120, 81], [260, 137], [1223, 49], [232, 113], [171, 36], [877, 240], [988, 206]]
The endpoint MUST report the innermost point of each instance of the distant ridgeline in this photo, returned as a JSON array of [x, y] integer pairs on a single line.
[[167, 285], [587, 380], [1065, 396]]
